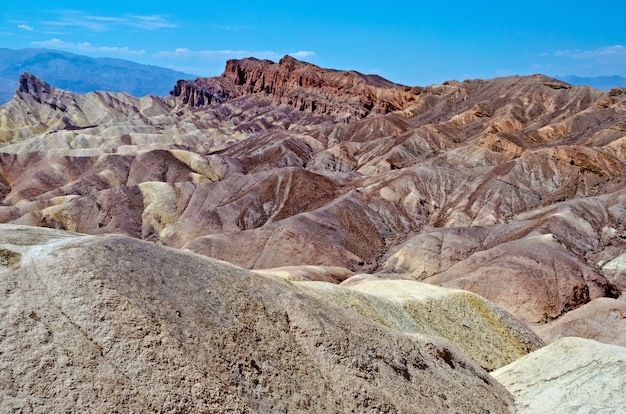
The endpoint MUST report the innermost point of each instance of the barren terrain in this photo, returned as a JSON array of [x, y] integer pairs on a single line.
[[511, 188]]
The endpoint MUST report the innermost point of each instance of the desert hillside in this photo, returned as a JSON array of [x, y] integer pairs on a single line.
[[384, 242]]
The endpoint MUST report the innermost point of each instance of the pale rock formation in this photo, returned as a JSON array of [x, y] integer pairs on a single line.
[[615, 270], [485, 333], [571, 375], [332, 274]]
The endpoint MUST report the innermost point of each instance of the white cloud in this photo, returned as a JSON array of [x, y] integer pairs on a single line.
[[302, 54], [610, 51], [87, 47], [94, 23], [230, 27], [602, 61], [77, 19], [183, 52], [224, 54], [154, 22], [25, 27]]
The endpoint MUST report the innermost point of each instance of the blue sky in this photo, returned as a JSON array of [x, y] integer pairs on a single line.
[[414, 43]]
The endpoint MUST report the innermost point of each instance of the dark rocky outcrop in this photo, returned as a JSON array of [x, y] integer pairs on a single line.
[[31, 86], [195, 95]]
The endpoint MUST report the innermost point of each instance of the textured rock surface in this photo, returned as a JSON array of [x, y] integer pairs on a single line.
[[531, 266], [602, 319], [571, 375], [512, 275], [511, 187], [330, 274], [109, 323], [345, 95], [485, 333]]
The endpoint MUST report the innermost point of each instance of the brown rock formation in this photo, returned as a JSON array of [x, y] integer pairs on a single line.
[[342, 94], [602, 319]]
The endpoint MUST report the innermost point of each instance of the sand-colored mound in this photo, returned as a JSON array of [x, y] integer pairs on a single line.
[[332, 274], [114, 324], [571, 375], [487, 334]]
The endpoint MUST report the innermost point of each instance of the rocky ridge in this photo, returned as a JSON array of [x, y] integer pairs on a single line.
[[480, 330], [345, 95], [516, 162], [602, 319]]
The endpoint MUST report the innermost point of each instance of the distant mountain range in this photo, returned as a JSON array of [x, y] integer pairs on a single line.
[[82, 74], [598, 82]]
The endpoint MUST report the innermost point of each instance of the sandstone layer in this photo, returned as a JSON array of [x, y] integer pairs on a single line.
[[113, 324], [345, 95]]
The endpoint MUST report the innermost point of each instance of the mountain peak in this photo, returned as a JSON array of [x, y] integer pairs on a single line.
[[83, 74], [290, 61], [30, 85]]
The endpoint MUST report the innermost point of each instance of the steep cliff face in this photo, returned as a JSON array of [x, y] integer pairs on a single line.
[[195, 94], [346, 95]]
